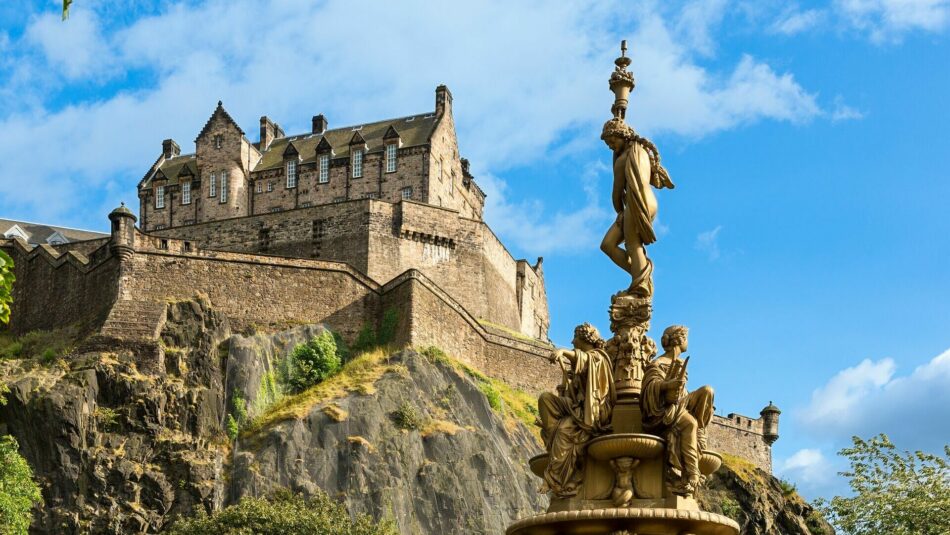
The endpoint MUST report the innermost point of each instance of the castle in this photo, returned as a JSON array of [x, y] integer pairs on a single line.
[[337, 226]]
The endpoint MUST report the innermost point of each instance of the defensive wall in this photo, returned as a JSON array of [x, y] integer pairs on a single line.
[[383, 239], [121, 282]]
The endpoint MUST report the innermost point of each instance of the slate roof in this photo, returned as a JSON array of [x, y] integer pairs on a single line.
[[38, 233], [172, 168], [414, 130]]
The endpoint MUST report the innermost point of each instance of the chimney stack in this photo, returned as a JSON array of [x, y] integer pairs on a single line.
[[267, 132], [443, 100], [318, 124], [170, 149]]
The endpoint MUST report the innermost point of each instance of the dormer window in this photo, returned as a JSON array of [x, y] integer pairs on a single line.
[[224, 186], [212, 186], [292, 174], [391, 158], [186, 193], [357, 163], [324, 175], [159, 197]]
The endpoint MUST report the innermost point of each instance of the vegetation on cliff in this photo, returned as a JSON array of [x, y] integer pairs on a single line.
[[900, 493], [6, 286], [283, 512], [18, 491]]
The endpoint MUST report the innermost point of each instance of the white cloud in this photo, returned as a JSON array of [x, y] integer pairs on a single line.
[[889, 20], [528, 86], [697, 21], [527, 226], [75, 49], [867, 399], [793, 21], [708, 242], [843, 112], [810, 470]]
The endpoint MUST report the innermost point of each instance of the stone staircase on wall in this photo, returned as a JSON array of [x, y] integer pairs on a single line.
[[134, 320]]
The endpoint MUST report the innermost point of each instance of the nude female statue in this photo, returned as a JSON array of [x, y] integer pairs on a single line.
[[636, 168]]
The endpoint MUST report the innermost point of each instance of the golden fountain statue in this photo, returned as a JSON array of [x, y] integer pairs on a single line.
[[625, 439]]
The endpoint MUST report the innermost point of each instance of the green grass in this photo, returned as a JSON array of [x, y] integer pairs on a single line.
[[358, 375], [46, 345], [507, 330]]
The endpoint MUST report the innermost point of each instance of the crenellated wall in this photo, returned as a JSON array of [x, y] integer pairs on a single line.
[[741, 436]]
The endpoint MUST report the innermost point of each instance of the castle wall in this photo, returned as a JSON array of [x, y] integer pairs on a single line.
[[740, 436], [253, 289], [55, 290], [383, 240]]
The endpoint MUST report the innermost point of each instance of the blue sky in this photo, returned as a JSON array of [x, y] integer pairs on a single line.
[[805, 244]]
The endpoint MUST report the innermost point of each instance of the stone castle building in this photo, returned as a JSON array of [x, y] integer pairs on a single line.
[[339, 226]]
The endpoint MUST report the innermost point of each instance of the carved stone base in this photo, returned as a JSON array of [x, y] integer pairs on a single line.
[[652, 521]]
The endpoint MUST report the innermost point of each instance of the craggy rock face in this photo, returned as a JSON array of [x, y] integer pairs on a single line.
[[471, 478]]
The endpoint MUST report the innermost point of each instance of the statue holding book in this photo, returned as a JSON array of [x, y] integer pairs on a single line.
[[679, 416]]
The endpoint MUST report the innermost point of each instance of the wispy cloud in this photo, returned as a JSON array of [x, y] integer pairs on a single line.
[[708, 242], [889, 20], [843, 112], [813, 472], [794, 21]]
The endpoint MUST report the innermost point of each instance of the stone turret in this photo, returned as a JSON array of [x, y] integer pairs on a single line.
[[770, 423], [123, 231]]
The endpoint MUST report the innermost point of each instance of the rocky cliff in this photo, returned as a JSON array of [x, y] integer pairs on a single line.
[[125, 436]]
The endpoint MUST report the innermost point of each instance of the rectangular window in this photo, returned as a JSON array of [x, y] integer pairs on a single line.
[[260, 186], [224, 186], [275, 209], [159, 227], [324, 168], [186, 193], [160, 197], [357, 163], [212, 185], [407, 192], [306, 204], [439, 169], [292, 174], [217, 142], [270, 186], [391, 158]]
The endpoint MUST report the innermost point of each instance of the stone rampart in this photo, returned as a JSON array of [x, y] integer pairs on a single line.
[[57, 289], [741, 436]]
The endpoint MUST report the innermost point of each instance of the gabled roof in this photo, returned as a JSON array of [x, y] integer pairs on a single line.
[[391, 133], [38, 233], [219, 112], [185, 165], [324, 146], [357, 139], [413, 130]]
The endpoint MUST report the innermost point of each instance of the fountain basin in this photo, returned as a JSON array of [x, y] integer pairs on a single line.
[[633, 519], [636, 445]]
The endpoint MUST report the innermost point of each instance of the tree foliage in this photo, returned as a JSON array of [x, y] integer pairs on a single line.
[[312, 363], [6, 286], [282, 513], [899, 493], [18, 491]]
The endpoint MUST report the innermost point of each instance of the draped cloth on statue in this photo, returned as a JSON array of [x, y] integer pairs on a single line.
[[634, 173], [683, 422], [581, 411]]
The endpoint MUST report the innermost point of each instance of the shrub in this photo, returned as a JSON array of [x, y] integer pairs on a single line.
[[106, 417], [18, 491], [232, 428], [788, 488], [731, 508], [6, 286], [313, 362], [407, 417], [282, 512], [435, 354]]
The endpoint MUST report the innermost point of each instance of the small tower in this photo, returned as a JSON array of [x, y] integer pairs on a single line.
[[770, 423], [123, 231]]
